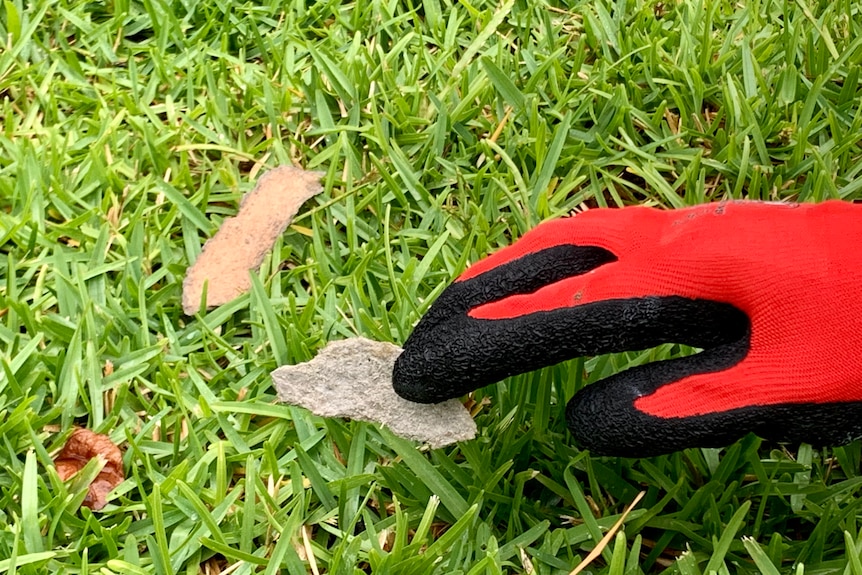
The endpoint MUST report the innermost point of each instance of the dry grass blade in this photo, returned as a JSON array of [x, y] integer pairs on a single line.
[[306, 543], [608, 536]]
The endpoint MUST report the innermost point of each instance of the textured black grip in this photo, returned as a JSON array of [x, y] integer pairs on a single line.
[[602, 417], [450, 353]]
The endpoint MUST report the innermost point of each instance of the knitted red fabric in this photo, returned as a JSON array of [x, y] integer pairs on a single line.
[[794, 269]]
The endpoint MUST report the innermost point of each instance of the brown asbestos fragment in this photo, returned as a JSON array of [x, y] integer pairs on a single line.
[[242, 241]]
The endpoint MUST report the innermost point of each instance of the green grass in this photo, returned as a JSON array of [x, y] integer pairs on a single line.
[[130, 129]]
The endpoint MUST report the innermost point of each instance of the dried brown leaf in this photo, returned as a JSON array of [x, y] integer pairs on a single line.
[[82, 446], [242, 241]]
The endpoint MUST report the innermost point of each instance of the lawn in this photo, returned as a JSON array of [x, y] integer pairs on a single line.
[[130, 129]]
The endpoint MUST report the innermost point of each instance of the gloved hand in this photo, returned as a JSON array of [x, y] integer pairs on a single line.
[[772, 292]]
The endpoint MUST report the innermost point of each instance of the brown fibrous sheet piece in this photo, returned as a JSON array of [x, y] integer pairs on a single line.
[[242, 241], [82, 446]]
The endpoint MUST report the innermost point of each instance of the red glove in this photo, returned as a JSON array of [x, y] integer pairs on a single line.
[[772, 292]]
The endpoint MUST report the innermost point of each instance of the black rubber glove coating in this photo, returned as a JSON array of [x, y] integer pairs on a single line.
[[449, 354]]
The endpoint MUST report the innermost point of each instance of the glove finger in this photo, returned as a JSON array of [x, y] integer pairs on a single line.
[[609, 416], [525, 275], [603, 416], [616, 230], [553, 251], [425, 371], [458, 353]]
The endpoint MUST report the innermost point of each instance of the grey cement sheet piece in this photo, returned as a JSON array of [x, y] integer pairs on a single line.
[[352, 378]]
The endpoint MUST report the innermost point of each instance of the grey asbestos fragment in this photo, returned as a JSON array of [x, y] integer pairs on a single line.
[[352, 378]]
